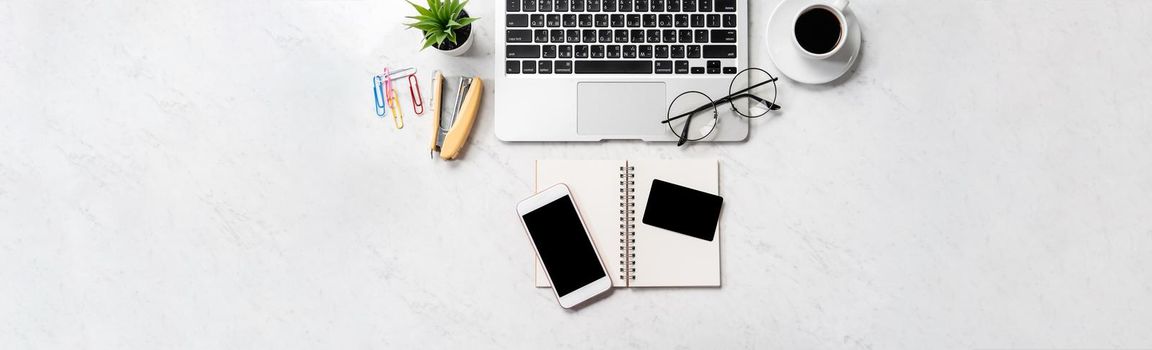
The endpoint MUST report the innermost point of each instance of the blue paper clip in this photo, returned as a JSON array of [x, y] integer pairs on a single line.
[[381, 96]]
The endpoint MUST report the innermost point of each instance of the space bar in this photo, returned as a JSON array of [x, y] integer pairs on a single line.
[[613, 67]]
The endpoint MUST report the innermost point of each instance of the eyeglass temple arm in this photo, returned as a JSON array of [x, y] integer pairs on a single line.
[[733, 96], [684, 133]]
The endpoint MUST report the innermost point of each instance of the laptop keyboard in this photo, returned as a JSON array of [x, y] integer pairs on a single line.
[[621, 37]]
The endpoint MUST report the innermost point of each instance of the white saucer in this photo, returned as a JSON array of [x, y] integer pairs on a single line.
[[791, 62]]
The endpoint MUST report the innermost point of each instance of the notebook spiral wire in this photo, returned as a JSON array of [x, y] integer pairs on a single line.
[[627, 227]]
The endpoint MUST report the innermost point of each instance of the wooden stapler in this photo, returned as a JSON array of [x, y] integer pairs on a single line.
[[452, 130]]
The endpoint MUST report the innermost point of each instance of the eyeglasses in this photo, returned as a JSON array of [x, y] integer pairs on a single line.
[[685, 108]]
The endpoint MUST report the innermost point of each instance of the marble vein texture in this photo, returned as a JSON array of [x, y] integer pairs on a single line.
[[211, 175]]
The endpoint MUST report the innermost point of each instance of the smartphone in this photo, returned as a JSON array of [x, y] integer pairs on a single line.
[[563, 245]]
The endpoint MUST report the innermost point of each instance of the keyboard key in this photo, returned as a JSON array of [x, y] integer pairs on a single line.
[[581, 51], [569, 21], [565, 51], [589, 35], [681, 67], [541, 35], [618, 21], [573, 35], [673, 5], [549, 51], [697, 70], [557, 35], [625, 6], [725, 5], [693, 51], [597, 51], [661, 51], [688, 6], [513, 6], [705, 5], [685, 36], [529, 67], [645, 51], [730, 21], [563, 67], [577, 5], [629, 51], [561, 6], [633, 21], [605, 35], [729, 70], [613, 51], [512, 67], [677, 51], [586, 21], [713, 64], [713, 70], [601, 21], [613, 67], [637, 35], [669, 35], [519, 36], [523, 51], [653, 35], [621, 35], [665, 21], [545, 67], [545, 5], [663, 67], [713, 21], [723, 36], [529, 5], [609, 5], [682, 21], [698, 21], [593, 6], [719, 51], [640, 6], [537, 20], [517, 21], [702, 35], [657, 6], [649, 21], [553, 21]]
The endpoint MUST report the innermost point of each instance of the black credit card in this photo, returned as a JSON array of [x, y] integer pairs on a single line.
[[683, 210]]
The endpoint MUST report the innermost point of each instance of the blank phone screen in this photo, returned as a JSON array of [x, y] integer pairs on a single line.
[[564, 246]]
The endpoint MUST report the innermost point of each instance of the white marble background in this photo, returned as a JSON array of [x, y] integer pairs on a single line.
[[211, 175]]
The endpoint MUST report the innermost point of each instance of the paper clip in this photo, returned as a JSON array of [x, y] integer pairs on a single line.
[[381, 96], [392, 100], [417, 96]]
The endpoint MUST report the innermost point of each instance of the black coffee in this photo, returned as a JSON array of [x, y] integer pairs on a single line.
[[818, 30]]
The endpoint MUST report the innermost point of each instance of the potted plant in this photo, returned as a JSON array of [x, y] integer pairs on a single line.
[[445, 24]]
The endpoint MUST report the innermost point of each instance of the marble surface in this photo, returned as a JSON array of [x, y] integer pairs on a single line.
[[211, 175]]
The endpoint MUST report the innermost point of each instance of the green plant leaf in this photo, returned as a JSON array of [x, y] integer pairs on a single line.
[[422, 11], [466, 21]]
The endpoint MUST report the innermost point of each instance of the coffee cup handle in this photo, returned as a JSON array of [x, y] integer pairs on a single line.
[[840, 5]]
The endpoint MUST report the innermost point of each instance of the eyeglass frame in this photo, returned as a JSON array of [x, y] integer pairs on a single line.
[[732, 96]]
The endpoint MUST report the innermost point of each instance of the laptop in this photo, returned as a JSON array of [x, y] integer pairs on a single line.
[[593, 70]]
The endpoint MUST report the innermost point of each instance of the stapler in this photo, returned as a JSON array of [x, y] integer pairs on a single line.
[[452, 130]]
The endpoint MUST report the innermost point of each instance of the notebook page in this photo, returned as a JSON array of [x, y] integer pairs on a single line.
[[595, 186], [665, 258]]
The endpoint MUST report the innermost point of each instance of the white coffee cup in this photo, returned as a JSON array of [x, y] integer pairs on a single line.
[[837, 8]]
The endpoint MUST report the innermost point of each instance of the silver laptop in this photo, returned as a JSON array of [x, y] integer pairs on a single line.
[[592, 70]]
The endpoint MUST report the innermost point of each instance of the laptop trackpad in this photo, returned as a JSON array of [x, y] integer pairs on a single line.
[[621, 109]]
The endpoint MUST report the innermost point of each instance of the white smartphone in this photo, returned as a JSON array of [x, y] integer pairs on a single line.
[[563, 245]]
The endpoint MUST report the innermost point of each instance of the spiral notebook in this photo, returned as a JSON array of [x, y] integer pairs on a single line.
[[611, 196]]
